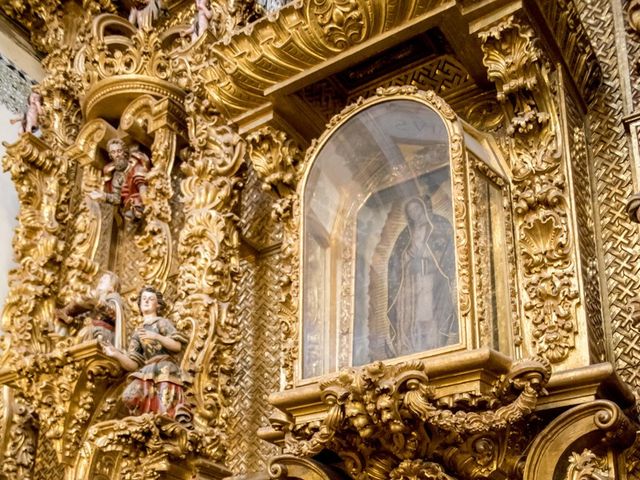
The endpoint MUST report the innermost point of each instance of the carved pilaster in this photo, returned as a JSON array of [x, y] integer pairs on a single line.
[[277, 161], [40, 179], [20, 449], [546, 247], [209, 267]]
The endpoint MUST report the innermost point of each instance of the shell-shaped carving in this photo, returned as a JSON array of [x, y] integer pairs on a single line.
[[544, 240]]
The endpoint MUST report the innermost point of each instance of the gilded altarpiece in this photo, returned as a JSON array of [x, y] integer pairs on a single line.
[[211, 116]]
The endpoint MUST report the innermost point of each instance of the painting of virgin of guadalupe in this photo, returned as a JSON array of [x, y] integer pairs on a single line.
[[405, 287], [420, 283]]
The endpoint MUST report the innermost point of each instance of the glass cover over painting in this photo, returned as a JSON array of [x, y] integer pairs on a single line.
[[379, 268]]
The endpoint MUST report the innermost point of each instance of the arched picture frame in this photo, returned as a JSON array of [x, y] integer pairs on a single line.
[[387, 263]]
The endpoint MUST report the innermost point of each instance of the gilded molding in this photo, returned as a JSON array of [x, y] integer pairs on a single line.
[[312, 32], [543, 231], [380, 415]]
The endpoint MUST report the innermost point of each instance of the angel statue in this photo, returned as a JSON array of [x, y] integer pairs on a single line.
[[201, 20], [156, 384], [144, 12], [29, 120], [101, 312]]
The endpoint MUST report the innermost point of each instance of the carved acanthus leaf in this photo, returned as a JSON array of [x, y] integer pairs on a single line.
[[209, 267], [587, 466]]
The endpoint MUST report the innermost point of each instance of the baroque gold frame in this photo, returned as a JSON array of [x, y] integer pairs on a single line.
[[461, 166]]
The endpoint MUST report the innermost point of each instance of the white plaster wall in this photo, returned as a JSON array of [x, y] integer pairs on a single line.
[[8, 204]]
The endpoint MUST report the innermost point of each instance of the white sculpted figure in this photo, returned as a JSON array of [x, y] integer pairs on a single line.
[[101, 312], [201, 20], [144, 12], [29, 120]]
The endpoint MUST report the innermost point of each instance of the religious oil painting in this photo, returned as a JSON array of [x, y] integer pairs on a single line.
[[379, 269], [405, 269]]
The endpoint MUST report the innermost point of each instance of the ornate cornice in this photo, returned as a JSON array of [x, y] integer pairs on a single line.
[[299, 37]]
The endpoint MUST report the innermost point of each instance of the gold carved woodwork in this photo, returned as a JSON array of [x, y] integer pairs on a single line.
[[601, 419], [613, 175], [19, 443], [141, 82], [574, 45], [277, 161], [541, 205], [209, 266], [113, 66], [587, 466], [151, 447], [40, 181], [299, 36], [385, 422], [63, 387]]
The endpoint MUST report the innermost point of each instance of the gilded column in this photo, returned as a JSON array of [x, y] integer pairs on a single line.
[[208, 249]]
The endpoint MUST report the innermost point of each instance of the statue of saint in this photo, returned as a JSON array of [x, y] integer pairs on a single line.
[[156, 382], [421, 283], [125, 179], [101, 312]]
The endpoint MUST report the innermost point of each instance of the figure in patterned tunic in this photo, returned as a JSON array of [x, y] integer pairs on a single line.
[[156, 382], [125, 178]]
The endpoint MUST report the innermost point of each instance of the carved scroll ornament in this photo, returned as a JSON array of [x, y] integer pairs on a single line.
[[385, 422], [209, 270], [278, 160]]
